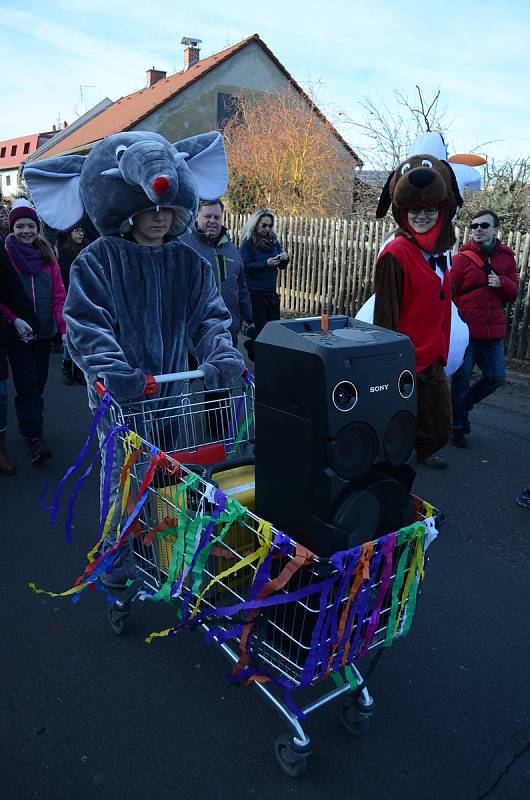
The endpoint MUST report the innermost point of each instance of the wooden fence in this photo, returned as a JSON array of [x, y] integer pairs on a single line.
[[332, 269]]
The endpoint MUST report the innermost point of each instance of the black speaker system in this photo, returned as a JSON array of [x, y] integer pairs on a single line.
[[335, 430]]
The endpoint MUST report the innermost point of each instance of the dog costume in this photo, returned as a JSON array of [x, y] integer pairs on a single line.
[[413, 286], [467, 177]]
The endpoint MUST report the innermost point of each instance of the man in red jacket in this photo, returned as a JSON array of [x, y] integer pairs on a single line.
[[484, 277]]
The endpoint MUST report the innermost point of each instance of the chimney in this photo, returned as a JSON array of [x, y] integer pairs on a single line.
[[191, 51], [153, 75]]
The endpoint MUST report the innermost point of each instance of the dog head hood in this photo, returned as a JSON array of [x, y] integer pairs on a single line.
[[127, 173], [422, 180]]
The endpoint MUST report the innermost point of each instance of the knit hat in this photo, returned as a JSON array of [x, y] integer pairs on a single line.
[[21, 209]]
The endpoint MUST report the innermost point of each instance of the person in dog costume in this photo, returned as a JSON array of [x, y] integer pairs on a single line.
[[413, 286]]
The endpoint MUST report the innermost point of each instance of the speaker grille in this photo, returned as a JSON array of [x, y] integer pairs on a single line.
[[353, 451], [399, 438]]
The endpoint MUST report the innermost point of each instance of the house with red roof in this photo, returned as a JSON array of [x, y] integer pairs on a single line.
[[13, 152], [198, 98]]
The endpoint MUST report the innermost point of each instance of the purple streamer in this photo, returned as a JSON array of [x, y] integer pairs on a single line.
[[110, 438], [267, 602], [360, 606], [387, 551], [262, 577], [329, 635], [109, 445], [53, 509], [280, 543], [313, 656]]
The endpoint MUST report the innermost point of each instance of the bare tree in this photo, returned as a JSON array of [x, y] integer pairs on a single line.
[[506, 191], [285, 156], [390, 131]]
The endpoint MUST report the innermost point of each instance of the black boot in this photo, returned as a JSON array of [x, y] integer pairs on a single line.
[[78, 375], [68, 373]]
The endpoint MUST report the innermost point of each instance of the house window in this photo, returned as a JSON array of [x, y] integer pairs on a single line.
[[228, 105], [8, 180], [13, 149], [3, 152], [26, 148]]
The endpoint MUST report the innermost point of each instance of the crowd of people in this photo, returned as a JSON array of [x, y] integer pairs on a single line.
[[229, 290]]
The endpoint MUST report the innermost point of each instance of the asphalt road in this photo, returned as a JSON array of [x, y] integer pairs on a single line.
[[86, 714]]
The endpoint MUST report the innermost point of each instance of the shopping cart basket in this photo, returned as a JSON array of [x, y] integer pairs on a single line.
[[285, 618]]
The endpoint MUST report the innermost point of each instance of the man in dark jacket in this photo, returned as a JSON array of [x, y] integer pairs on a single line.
[[484, 278], [211, 240]]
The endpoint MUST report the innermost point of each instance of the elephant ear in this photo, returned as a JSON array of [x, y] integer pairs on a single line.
[[206, 159], [54, 187]]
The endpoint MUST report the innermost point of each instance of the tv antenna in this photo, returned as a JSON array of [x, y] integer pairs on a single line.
[[81, 107]]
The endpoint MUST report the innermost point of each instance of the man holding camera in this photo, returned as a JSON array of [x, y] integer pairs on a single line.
[[483, 279]]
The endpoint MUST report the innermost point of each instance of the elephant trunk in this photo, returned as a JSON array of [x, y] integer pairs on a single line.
[[152, 167]]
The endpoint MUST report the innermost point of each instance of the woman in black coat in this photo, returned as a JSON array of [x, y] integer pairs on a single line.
[[13, 296], [68, 246]]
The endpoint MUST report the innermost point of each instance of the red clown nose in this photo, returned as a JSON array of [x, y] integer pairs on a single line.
[[160, 185]]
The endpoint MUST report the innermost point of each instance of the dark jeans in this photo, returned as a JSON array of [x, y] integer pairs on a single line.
[[488, 355], [265, 307], [29, 366]]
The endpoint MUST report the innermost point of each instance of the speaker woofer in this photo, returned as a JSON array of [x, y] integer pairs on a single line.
[[353, 451], [399, 438], [406, 384]]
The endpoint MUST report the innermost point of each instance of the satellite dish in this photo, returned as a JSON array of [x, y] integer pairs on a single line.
[[80, 109]]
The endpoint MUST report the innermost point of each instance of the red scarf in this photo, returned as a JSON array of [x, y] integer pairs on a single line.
[[427, 241]]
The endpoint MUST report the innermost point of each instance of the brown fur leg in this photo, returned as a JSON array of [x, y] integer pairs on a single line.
[[435, 420]]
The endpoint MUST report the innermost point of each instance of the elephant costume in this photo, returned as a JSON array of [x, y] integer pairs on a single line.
[[132, 310]]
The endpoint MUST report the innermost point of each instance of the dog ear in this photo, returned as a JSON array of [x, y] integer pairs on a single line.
[[385, 201]]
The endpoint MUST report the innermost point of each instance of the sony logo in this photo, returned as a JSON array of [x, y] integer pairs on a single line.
[[381, 388]]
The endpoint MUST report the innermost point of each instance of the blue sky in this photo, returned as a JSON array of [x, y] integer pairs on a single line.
[[476, 53]]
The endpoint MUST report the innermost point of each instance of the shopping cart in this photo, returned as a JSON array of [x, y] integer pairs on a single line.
[[285, 618]]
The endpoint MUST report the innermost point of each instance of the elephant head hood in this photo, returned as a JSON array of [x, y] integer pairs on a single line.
[[127, 173]]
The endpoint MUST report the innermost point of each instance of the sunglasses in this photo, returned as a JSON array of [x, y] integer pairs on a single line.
[[483, 225], [429, 211]]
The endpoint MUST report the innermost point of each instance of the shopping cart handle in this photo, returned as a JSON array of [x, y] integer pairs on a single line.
[[179, 376], [173, 376], [210, 469]]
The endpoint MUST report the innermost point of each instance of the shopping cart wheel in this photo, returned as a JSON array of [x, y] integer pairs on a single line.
[[292, 759], [117, 620], [354, 720]]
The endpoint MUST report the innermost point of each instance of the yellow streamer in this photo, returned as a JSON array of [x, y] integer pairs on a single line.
[[158, 635], [428, 509], [68, 592], [265, 530], [131, 443], [415, 567]]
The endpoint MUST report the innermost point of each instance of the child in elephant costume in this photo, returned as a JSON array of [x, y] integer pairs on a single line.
[[139, 300]]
